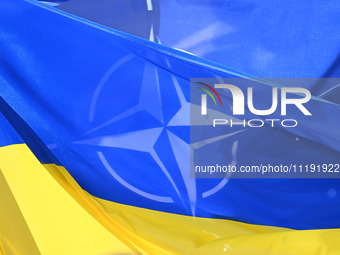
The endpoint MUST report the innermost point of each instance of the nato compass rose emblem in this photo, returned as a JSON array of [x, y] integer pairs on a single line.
[[142, 141]]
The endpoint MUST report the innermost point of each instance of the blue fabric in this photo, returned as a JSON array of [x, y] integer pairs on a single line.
[[114, 108], [8, 135], [15, 131], [265, 39]]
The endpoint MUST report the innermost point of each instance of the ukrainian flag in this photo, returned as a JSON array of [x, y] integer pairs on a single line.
[[95, 127]]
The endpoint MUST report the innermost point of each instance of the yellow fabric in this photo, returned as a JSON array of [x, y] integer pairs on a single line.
[[38, 216], [44, 211]]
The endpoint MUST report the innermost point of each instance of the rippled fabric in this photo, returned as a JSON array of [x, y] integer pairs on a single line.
[[112, 107]]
